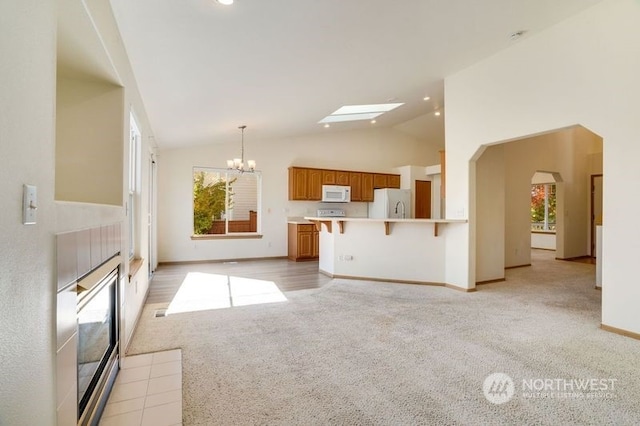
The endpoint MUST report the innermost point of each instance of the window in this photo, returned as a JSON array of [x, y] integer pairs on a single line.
[[543, 207], [225, 202], [134, 183]]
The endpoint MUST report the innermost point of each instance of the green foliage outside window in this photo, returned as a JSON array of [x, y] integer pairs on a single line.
[[208, 201]]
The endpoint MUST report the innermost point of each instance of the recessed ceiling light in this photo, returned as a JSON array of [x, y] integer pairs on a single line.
[[437, 113], [516, 35], [373, 121], [225, 2], [426, 98], [327, 125]]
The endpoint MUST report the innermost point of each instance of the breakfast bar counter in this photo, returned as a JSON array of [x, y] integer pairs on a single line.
[[400, 250]]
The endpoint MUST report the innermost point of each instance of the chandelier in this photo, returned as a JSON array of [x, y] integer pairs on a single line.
[[238, 163]]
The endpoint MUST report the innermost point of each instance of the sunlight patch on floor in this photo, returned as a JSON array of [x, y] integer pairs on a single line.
[[200, 291]]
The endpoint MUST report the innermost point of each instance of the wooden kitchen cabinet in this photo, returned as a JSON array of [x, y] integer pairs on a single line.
[[305, 183], [355, 181], [379, 180], [298, 183], [328, 177], [393, 181], [314, 182], [386, 180], [304, 242], [367, 187], [342, 177]]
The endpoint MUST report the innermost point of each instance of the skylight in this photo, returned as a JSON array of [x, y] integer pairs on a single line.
[[358, 112], [349, 117]]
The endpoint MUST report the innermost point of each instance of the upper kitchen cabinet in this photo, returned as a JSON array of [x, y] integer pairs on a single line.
[[306, 183], [393, 181], [314, 186], [342, 177], [329, 177], [384, 180], [355, 181], [367, 187], [90, 113], [379, 180], [298, 183]]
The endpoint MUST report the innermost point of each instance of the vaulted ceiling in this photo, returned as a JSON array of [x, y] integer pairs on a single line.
[[279, 66]]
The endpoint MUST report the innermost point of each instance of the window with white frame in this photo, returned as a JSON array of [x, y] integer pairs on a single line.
[[134, 184], [543, 207], [225, 202]]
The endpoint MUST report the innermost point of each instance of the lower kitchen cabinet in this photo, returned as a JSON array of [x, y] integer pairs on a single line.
[[304, 242]]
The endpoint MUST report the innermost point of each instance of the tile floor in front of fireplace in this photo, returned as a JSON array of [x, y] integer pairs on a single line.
[[147, 391]]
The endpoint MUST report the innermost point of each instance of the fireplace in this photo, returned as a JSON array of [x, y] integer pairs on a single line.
[[89, 279], [97, 341]]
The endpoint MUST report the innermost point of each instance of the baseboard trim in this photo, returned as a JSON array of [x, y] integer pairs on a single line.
[[574, 258], [517, 266], [135, 323], [497, 280], [323, 272], [387, 280], [196, 262], [456, 288], [625, 333]]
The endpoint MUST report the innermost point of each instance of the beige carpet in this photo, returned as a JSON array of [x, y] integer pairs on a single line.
[[364, 353]]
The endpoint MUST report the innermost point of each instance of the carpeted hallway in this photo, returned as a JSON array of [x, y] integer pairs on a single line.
[[356, 352]]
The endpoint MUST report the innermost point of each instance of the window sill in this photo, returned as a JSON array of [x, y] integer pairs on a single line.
[[134, 266], [544, 232], [226, 237]]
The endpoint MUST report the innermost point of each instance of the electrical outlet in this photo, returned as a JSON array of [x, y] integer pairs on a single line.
[[341, 258], [348, 257]]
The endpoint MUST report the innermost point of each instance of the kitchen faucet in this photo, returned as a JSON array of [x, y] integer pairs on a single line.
[[401, 204]]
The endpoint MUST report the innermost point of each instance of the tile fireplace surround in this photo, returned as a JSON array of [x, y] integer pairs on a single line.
[[78, 253]]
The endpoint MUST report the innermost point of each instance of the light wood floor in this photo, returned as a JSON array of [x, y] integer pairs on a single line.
[[288, 275]]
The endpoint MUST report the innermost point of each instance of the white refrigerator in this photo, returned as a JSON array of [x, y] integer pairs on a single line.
[[390, 203]]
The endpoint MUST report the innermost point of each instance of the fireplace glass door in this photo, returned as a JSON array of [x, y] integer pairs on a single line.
[[97, 337]]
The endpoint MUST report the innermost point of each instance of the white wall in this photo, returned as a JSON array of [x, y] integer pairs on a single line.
[[375, 150], [543, 240], [581, 71], [136, 290], [490, 211], [411, 251], [27, 155]]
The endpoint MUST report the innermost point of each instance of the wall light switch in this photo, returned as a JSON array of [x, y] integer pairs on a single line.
[[29, 204]]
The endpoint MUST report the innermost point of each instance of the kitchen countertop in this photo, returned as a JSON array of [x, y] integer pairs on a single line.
[[366, 219], [299, 221]]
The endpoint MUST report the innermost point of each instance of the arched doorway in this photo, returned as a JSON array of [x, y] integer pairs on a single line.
[[503, 174]]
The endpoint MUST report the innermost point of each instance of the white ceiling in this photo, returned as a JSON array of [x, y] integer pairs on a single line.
[[279, 66]]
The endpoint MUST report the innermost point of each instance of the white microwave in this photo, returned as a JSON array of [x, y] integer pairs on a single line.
[[336, 194]]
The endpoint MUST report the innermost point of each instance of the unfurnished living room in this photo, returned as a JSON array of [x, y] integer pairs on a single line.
[[244, 212]]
